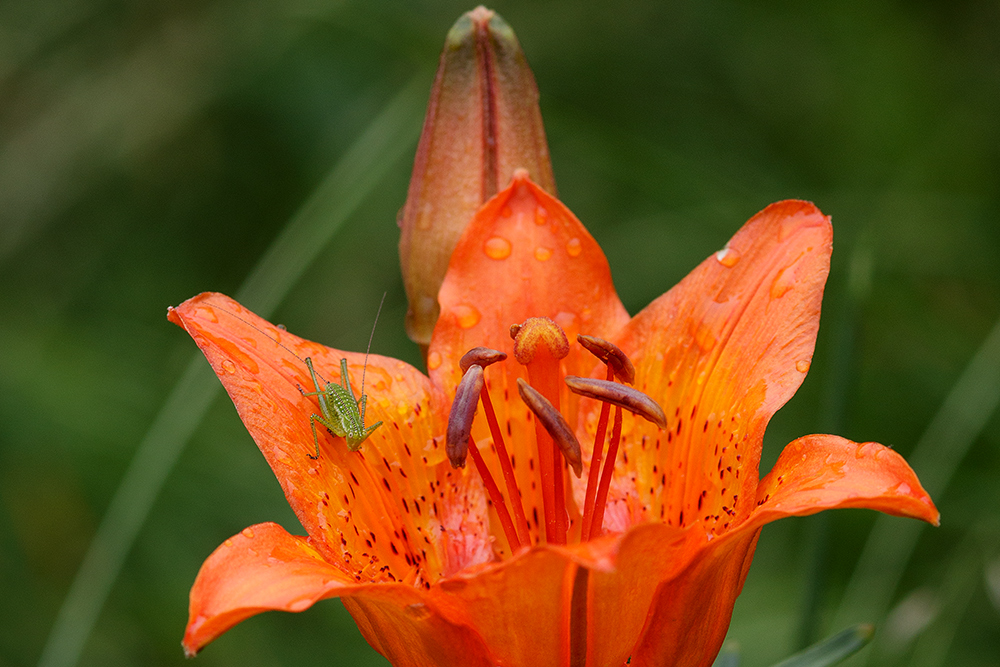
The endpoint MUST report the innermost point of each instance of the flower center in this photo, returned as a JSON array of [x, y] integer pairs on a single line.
[[539, 345]]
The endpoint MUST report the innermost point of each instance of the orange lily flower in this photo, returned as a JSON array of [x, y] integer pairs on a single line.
[[445, 566]]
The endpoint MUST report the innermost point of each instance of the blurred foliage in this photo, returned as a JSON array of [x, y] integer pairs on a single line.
[[151, 150]]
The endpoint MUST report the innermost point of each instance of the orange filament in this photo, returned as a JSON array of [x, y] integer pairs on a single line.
[[497, 498], [609, 465], [520, 520], [595, 466]]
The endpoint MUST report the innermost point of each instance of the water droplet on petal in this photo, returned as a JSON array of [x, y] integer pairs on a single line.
[[313, 471], [248, 533], [802, 365], [541, 216], [228, 542], [467, 315], [497, 247], [228, 366], [782, 283], [402, 408], [574, 247], [418, 610], [705, 338], [433, 361], [728, 257], [542, 253], [904, 489]]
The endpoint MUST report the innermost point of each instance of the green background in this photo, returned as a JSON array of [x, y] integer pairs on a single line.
[[153, 150]]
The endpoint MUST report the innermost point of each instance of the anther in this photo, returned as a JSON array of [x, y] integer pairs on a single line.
[[611, 355], [480, 356], [463, 410], [554, 423], [618, 394]]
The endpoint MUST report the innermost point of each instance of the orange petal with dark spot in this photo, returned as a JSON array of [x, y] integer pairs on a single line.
[[720, 353], [355, 505]]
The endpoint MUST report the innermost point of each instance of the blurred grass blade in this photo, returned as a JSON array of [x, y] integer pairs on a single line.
[[957, 424], [729, 656], [387, 138], [831, 651]]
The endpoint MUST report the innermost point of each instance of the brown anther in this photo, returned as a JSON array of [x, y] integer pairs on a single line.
[[536, 330], [554, 423], [514, 328], [463, 410], [618, 394], [480, 356], [611, 355]]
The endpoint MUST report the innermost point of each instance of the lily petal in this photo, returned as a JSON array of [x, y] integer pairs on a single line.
[[523, 255], [690, 615], [819, 472], [373, 511], [721, 352], [265, 568], [259, 569]]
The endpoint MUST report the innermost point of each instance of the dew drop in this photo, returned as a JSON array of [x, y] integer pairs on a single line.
[[228, 366], [802, 365], [782, 283], [497, 247], [313, 471], [705, 338], [728, 257], [433, 361], [574, 247], [248, 533], [228, 542], [467, 315], [402, 408], [904, 489], [541, 216]]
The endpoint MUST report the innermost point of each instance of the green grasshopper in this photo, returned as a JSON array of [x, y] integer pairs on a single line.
[[340, 408], [343, 414]]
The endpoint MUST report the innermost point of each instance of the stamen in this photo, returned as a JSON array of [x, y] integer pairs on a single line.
[[609, 465], [520, 520], [595, 467], [484, 356], [618, 394], [554, 423], [480, 356], [463, 410], [611, 355]]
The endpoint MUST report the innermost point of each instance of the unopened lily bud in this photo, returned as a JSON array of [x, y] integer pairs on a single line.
[[482, 123]]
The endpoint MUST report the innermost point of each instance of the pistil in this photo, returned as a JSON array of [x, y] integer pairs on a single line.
[[539, 344]]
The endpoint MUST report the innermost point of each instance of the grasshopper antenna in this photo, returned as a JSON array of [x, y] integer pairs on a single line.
[[370, 338]]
